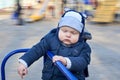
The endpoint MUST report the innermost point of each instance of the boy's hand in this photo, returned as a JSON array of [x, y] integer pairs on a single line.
[[22, 70], [59, 58]]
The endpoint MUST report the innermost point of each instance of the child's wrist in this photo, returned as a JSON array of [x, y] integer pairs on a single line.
[[68, 63], [22, 62]]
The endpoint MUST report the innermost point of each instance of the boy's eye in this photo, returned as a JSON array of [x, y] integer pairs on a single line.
[[74, 32], [64, 30]]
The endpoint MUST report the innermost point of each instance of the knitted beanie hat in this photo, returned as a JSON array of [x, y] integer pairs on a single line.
[[72, 19]]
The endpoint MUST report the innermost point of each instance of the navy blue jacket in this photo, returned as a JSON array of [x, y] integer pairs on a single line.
[[79, 55]]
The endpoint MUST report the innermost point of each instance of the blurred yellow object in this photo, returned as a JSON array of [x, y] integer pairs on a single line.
[[34, 18], [41, 13], [37, 17], [106, 11]]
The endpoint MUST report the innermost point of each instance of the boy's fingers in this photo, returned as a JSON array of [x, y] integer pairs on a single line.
[[21, 76], [55, 58], [21, 73], [25, 71]]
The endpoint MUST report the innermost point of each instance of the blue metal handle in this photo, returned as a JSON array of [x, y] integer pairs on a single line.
[[6, 58], [62, 68]]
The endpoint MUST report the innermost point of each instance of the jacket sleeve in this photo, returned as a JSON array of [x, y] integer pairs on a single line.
[[81, 62], [35, 52]]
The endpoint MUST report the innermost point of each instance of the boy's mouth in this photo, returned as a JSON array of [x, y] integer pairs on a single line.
[[66, 41]]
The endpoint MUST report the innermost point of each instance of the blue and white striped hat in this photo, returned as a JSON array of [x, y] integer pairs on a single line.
[[72, 19]]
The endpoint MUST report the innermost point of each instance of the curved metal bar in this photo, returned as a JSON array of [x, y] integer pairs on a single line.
[[7, 57], [61, 67]]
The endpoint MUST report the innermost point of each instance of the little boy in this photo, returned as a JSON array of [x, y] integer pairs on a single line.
[[68, 46]]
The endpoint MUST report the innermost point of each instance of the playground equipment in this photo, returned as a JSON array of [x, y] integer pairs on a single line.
[[60, 66], [40, 15], [105, 11]]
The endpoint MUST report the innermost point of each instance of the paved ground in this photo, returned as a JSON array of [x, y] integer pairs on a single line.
[[105, 62]]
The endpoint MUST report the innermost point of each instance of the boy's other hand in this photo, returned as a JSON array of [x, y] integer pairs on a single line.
[[22, 70]]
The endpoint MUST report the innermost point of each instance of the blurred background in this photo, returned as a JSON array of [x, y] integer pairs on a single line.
[[37, 17], [96, 10]]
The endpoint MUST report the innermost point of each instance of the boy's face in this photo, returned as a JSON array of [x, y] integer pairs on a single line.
[[68, 35]]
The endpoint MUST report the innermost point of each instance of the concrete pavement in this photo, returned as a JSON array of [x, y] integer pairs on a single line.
[[105, 62]]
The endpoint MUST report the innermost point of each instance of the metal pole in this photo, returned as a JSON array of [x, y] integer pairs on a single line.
[[6, 58]]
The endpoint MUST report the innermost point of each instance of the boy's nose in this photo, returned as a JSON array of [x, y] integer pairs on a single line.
[[68, 34]]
